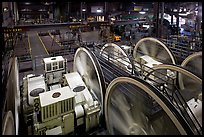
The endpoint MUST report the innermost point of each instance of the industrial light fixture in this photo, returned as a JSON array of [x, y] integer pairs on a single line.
[[83, 9], [5, 9], [142, 12], [98, 10], [27, 3]]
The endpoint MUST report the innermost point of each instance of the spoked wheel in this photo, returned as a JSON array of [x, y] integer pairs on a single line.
[[190, 87], [155, 49], [186, 94], [193, 63], [116, 55], [8, 124], [86, 64], [133, 106]]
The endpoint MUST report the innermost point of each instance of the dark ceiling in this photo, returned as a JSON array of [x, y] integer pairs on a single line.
[[36, 7]]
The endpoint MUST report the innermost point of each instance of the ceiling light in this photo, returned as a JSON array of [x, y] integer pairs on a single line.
[[98, 10], [27, 3], [142, 12], [83, 9], [5, 9]]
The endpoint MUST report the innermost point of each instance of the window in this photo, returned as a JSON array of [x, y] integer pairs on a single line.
[[55, 66], [49, 67], [60, 64], [54, 63]]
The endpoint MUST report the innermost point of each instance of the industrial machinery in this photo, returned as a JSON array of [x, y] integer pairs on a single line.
[[145, 106], [10, 113], [162, 93], [153, 48], [142, 109], [58, 102], [193, 63], [147, 53], [8, 124], [146, 94], [150, 52], [117, 55], [189, 96]]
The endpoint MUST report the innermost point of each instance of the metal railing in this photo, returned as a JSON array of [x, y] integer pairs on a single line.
[[164, 83]]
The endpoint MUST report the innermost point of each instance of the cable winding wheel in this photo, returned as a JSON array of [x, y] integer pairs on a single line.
[[86, 64], [117, 55], [193, 63], [8, 124], [155, 49], [133, 106], [150, 52], [185, 94]]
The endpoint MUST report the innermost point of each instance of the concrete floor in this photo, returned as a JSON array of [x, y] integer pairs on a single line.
[[38, 51]]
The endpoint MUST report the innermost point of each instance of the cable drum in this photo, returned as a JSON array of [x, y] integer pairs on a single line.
[[185, 94], [155, 49], [86, 64], [132, 106], [8, 124], [115, 54], [192, 63], [192, 84]]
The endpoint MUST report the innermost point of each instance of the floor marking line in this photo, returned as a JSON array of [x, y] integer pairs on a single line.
[[55, 39], [29, 44], [43, 44]]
